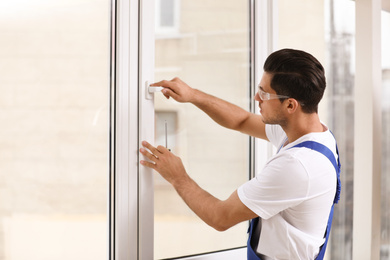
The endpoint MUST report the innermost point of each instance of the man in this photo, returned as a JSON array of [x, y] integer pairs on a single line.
[[293, 195]]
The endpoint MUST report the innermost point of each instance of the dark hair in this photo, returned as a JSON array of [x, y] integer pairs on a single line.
[[299, 75]]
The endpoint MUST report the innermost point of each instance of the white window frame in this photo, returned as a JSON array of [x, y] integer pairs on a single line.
[[124, 136], [132, 118], [368, 135]]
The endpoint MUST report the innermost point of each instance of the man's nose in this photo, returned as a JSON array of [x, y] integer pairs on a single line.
[[257, 97]]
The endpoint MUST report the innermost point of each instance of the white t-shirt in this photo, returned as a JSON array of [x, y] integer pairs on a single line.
[[293, 196]]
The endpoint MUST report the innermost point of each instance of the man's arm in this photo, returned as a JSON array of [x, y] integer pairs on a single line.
[[219, 214], [224, 113]]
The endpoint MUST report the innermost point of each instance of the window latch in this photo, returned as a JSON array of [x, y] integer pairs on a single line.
[[150, 90]]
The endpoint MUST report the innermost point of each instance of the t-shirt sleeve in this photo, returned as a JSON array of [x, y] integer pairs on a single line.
[[282, 183], [275, 135]]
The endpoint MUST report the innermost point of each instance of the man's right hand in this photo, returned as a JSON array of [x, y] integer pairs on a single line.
[[177, 89]]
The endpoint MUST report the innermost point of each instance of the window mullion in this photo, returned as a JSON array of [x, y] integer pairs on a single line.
[[124, 238], [146, 126]]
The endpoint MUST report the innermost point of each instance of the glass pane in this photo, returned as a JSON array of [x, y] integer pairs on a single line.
[[341, 71], [326, 30], [211, 53], [385, 220], [53, 139]]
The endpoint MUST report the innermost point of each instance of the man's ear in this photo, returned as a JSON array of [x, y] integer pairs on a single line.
[[292, 105]]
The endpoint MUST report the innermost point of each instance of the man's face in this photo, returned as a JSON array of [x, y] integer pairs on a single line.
[[271, 110]]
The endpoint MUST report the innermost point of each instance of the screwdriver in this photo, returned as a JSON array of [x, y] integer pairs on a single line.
[[166, 135]]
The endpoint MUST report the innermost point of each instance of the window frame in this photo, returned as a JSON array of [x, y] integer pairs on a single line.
[[368, 141], [132, 63], [124, 71]]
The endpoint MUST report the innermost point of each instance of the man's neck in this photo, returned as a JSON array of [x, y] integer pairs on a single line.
[[303, 125]]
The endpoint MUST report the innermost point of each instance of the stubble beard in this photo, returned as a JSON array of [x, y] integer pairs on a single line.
[[276, 120]]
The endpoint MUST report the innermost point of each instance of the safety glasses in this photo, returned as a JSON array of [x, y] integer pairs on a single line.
[[267, 96]]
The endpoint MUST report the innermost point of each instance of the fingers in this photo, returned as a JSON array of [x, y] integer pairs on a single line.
[[169, 84], [176, 89], [161, 83], [165, 94], [164, 83], [152, 157], [169, 93], [155, 155], [148, 164], [168, 88], [151, 148], [162, 149]]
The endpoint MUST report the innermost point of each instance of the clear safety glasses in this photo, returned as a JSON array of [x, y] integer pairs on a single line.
[[267, 96]]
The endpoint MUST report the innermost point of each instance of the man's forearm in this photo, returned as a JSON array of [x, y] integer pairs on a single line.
[[202, 203], [224, 113]]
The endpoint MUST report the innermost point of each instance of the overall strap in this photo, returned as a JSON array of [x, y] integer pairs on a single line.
[[251, 245], [328, 153]]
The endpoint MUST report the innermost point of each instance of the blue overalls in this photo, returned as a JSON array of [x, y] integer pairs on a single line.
[[251, 251]]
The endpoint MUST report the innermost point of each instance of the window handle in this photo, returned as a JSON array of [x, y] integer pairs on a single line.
[[154, 89], [150, 90]]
